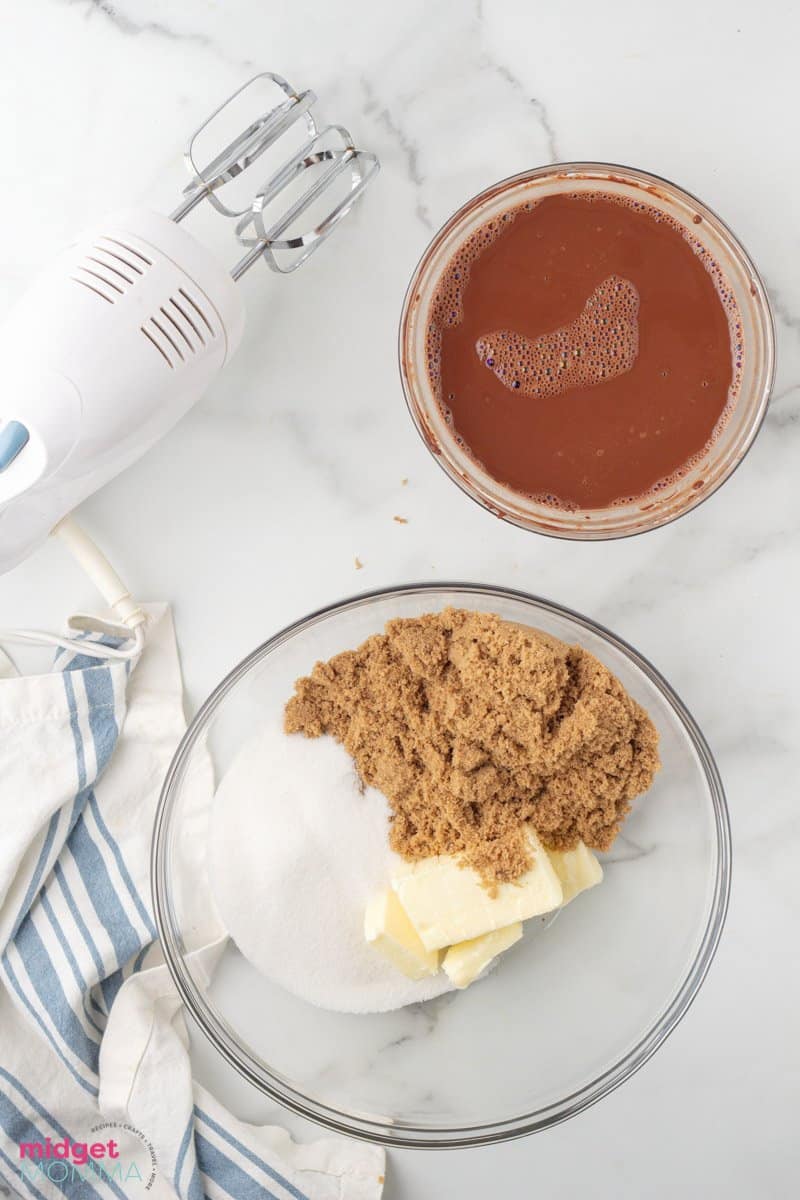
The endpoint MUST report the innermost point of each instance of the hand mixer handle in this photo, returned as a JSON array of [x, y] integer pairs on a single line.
[[116, 340], [45, 410]]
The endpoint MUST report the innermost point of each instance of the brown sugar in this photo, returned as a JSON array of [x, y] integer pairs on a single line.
[[472, 726]]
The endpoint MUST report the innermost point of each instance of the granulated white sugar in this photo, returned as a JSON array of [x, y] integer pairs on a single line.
[[297, 849]]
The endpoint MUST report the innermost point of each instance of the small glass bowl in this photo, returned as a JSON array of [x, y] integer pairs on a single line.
[[574, 1010], [656, 508]]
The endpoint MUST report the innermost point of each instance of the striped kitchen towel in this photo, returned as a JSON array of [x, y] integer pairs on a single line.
[[96, 1094]]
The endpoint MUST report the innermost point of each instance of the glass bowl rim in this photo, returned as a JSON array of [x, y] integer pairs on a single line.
[[534, 524], [402, 1134]]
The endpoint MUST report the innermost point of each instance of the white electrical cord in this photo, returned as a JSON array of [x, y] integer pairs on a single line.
[[37, 637], [131, 616]]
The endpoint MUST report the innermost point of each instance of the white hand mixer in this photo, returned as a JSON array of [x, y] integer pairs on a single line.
[[123, 332]]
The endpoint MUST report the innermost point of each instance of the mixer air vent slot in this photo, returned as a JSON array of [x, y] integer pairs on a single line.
[[111, 268], [152, 337], [131, 256], [197, 311], [91, 287], [179, 330]]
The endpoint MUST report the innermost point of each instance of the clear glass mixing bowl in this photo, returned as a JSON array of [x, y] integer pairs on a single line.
[[570, 1015], [758, 368]]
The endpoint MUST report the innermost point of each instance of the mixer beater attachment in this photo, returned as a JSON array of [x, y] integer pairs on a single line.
[[292, 212]]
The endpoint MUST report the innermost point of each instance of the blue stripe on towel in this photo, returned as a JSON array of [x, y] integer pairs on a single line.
[[70, 957], [225, 1172], [58, 871], [78, 805], [102, 720], [37, 1107], [15, 1173], [9, 970], [110, 986], [80, 758], [44, 978], [247, 1153], [123, 870], [184, 1146], [105, 901], [195, 1191]]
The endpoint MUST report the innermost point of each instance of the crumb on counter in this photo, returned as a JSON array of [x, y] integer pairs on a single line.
[[401, 520], [358, 563]]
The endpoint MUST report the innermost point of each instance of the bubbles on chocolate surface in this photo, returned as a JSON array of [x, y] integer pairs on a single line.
[[516, 361], [599, 345]]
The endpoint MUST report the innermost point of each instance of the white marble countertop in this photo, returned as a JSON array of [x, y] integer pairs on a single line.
[[252, 511]]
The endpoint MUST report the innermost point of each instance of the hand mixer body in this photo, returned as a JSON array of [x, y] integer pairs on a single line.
[[125, 330], [118, 337]]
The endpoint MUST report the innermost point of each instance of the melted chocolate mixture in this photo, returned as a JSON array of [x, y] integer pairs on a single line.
[[584, 349]]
